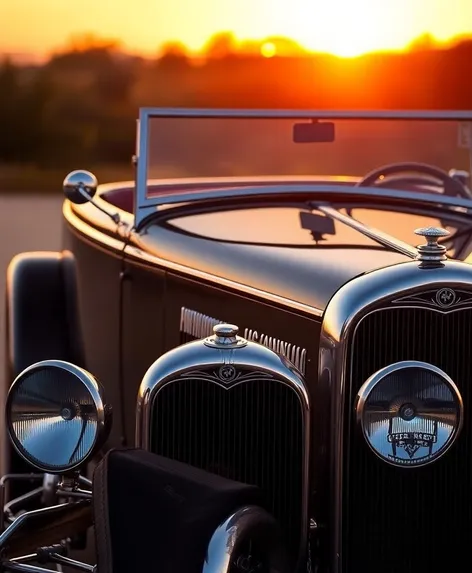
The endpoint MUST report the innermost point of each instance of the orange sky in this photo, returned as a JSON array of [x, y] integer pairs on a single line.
[[343, 27]]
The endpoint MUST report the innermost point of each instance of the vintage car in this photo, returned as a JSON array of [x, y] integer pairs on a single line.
[[289, 373]]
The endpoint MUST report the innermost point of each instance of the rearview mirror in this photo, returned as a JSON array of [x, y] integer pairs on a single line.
[[314, 132]]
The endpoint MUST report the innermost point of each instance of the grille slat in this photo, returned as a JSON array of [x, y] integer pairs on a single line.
[[408, 519], [252, 432]]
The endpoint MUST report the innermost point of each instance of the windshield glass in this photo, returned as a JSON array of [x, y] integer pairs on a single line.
[[224, 147]]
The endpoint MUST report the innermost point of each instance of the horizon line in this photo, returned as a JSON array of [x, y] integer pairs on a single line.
[[81, 42]]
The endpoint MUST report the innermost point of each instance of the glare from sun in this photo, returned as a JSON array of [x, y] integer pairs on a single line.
[[346, 28], [268, 50]]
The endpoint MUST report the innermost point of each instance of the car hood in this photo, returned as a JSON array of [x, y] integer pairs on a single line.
[[306, 275]]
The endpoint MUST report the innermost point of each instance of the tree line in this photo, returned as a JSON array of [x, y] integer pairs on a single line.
[[82, 104]]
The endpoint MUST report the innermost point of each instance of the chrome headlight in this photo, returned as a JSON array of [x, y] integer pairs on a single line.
[[56, 416], [410, 413]]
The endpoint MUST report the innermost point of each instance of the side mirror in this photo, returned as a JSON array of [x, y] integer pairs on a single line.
[[80, 186]]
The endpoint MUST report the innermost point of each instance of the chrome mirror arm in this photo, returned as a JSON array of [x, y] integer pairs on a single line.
[[115, 217]]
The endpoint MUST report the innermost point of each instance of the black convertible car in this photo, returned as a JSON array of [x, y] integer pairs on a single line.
[[289, 373]]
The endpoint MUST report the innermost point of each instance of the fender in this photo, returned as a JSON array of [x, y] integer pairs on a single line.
[[42, 320]]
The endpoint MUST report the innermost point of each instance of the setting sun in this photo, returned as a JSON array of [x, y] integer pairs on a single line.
[[341, 27], [353, 27], [268, 50]]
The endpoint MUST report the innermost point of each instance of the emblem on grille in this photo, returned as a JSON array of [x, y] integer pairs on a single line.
[[227, 373], [445, 297], [410, 413]]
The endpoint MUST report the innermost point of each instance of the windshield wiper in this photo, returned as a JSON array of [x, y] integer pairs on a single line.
[[371, 232]]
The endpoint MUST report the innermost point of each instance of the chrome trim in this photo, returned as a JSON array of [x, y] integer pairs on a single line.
[[440, 115], [150, 204], [371, 232], [141, 162], [351, 303], [443, 300], [196, 360], [93, 390], [247, 523], [369, 385], [135, 253]]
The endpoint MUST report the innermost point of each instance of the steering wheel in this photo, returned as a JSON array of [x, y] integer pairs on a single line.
[[429, 175]]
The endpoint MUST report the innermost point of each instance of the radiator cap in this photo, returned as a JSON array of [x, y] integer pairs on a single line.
[[432, 252], [225, 336]]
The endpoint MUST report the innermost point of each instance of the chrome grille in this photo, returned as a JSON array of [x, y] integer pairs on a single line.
[[418, 519], [252, 432]]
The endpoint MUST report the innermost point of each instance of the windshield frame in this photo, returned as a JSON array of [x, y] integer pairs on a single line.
[[146, 205]]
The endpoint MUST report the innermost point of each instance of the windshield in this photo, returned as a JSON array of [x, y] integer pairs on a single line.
[[228, 147]]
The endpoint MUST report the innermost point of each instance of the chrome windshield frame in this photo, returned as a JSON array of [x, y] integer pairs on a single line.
[[145, 205]]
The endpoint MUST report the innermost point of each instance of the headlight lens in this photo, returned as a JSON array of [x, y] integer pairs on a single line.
[[410, 413], [55, 415]]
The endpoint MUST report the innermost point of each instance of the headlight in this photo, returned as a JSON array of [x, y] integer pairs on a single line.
[[410, 413], [55, 416]]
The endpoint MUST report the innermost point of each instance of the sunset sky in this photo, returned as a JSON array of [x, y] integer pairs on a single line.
[[343, 27]]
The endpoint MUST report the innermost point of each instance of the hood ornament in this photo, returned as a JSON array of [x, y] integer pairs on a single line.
[[225, 336], [431, 252]]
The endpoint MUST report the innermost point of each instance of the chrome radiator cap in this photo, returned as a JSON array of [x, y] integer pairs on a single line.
[[225, 336], [432, 252]]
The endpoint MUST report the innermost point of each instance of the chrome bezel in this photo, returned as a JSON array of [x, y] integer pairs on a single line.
[[192, 358], [92, 388], [365, 294], [371, 383]]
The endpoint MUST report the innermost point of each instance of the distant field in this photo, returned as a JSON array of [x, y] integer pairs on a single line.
[[21, 178]]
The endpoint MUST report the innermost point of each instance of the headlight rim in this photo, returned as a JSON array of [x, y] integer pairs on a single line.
[[93, 388], [371, 382]]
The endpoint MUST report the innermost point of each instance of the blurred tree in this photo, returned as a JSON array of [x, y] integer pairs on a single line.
[[220, 46], [12, 128], [89, 41], [424, 43], [174, 57]]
